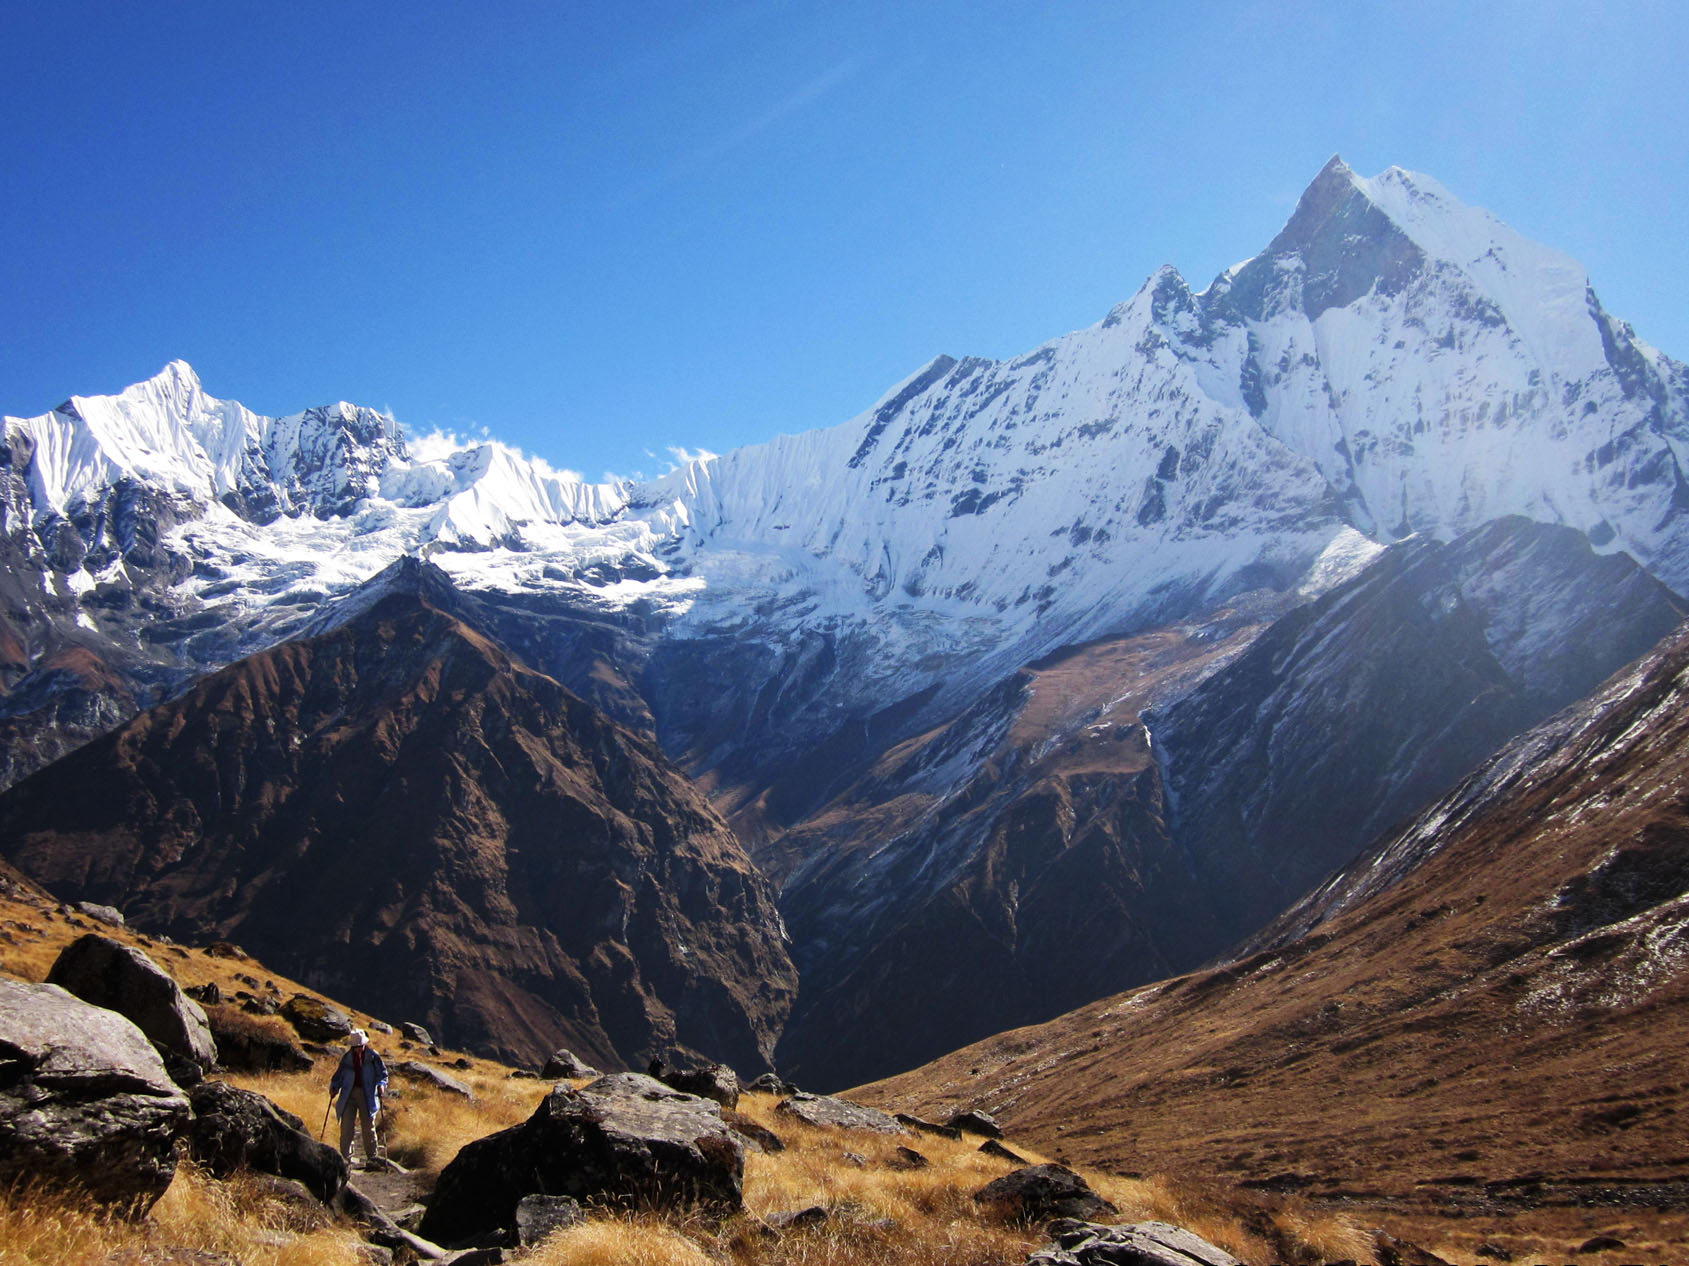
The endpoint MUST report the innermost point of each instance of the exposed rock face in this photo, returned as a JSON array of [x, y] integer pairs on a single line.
[[710, 1081], [84, 1097], [626, 1139], [401, 815], [232, 1128], [121, 978], [1354, 711]]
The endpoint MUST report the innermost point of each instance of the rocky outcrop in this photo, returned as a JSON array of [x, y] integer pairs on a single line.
[[234, 1128], [399, 814], [84, 1098], [121, 978], [1039, 1193], [1080, 1243], [626, 1140]]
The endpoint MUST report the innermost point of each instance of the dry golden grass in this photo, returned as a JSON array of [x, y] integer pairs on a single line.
[[239, 1220], [878, 1214]]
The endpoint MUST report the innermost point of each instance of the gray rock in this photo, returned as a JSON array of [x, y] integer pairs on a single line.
[[314, 1020], [712, 1081], [426, 1075], [105, 914], [770, 1084], [564, 1065], [537, 1216], [838, 1114], [382, 1027], [973, 1121], [907, 1158], [625, 1140], [234, 1128], [84, 1098], [1039, 1193], [110, 974], [1138, 1244], [912, 1122], [416, 1033], [797, 1219]]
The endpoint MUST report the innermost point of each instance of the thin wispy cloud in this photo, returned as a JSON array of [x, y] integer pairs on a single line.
[[712, 151]]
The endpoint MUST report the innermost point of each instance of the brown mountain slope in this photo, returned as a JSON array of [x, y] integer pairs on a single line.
[[1485, 1014], [397, 812]]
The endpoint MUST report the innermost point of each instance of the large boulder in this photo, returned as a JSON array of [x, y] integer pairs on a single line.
[[84, 1098], [828, 1112], [1040, 1193], [1140, 1244], [710, 1081], [246, 1044], [565, 1065], [315, 1020], [624, 1140], [118, 977], [232, 1128], [426, 1075]]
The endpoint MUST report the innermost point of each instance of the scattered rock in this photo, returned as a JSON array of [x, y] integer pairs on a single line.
[[1081, 1243], [376, 1026], [382, 1230], [769, 1084], [912, 1122], [258, 1006], [110, 974], [908, 1158], [974, 1121], [759, 1136], [563, 1065], [537, 1216], [105, 914], [523, 1074], [1039, 1193], [416, 1033], [428, 1076], [232, 1128], [991, 1147], [1492, 1251], [838, 1114], [626, 1139], [712, 1081], [316, 1021], [84, 1097], [246, 1047], [209, 994]]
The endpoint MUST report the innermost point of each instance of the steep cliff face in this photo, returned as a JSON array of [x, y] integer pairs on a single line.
[[398, 812]]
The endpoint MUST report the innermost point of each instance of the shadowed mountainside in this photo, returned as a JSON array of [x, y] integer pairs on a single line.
[[1505, 982], [398, 812]]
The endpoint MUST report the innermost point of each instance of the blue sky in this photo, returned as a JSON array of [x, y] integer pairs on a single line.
[[604, 230]]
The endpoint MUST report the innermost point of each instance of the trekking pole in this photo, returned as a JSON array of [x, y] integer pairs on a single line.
[[326, 1111]]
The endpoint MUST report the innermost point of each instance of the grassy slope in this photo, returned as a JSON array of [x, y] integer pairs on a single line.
[[880, 1214]]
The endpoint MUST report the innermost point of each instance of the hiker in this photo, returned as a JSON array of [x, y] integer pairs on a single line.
[[359, 1081]]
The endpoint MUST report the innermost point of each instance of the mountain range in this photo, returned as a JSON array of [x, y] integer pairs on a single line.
[[1040, 679]]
